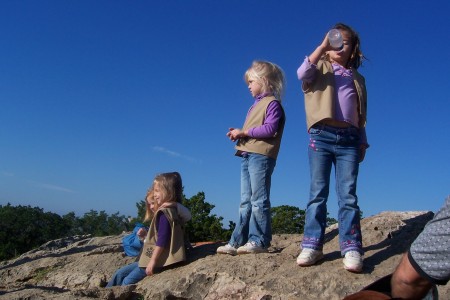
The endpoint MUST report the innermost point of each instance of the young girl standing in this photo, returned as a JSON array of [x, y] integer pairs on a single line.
[[164, 244], [335, 105], [258, 144]]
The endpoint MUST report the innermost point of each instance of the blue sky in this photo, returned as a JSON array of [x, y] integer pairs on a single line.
[[99, 96]]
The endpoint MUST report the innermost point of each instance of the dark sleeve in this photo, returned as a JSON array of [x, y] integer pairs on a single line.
[[163, 238]]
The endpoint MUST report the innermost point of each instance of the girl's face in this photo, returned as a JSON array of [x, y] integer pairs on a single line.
[[151, 202], [152, 206], [342, 56], [157, 194], [255, 87]]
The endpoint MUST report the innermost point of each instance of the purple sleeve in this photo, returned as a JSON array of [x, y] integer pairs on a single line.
[[164, 232], [307, 72], [270, 126]]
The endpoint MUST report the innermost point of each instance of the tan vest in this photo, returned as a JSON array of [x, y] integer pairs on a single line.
[[319, 95], [268, 147], [176, 251]]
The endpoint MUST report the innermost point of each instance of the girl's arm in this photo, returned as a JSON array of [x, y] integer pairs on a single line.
[[150, 270], [162, 242], [271, 122], [307, 70], [320, 50], [266, 130]]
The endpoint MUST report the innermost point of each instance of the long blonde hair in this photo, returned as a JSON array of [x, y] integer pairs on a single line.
[[269, 75], [148, 211]]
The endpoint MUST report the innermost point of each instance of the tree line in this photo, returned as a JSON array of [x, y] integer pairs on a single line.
[[23, 228]]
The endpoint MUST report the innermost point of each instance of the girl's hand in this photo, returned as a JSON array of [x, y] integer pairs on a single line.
[[149, 270], [320, 50], [326, 44], [141, 233], [235, 133]]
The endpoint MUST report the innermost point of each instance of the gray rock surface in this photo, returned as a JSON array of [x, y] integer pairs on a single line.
[[79, 267]]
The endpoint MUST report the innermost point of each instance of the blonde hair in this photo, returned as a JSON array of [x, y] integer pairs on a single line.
[[269, 75], [148, 211], [171, 187]]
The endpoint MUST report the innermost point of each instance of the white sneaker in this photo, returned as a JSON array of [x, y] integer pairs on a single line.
[[353, 261], [251, 247], [309, 257], [227, 249]]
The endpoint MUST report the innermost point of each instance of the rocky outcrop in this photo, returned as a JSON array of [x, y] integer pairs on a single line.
[[79, 267]]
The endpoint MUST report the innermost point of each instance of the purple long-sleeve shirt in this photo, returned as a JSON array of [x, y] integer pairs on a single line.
[[270, 125], [164, 235]]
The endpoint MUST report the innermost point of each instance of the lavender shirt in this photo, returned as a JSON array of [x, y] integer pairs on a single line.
[[270, 125], [345, 93]]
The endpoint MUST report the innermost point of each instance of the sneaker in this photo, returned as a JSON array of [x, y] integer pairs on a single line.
[[353, 261], [251, 247], [309, 257], [227, 249]]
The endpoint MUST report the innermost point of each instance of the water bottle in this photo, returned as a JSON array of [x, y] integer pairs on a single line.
[[335, 39]]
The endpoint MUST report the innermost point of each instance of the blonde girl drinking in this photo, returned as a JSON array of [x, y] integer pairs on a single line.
[[258, 144]]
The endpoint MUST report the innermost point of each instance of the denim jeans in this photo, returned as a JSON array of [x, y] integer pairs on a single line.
[[129, 274], [330, 146], [254, 224]]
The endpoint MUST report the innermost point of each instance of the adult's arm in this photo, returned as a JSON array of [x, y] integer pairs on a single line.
[[406, 283]]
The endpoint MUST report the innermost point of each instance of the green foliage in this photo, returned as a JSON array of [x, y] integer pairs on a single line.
[[141, 209], [287, 219], [330, 221], [23, 228], [204, 226], [100, 224]]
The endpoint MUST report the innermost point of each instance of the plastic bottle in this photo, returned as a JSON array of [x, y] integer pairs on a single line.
[[335, 39]]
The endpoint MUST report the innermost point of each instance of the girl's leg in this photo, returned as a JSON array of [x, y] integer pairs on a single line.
[[120, 274], [260, 168], [321, 158], [240, 233], [136, 275], [347, 167]]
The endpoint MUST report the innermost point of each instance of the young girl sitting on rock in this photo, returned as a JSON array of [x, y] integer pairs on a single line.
[[164, 243]]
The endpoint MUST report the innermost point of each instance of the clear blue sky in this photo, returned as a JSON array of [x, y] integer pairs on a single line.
[[99, 96]]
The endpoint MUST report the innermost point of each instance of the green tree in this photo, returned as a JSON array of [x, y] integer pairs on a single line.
[[100, 224], [73, 223], [204, 226], [141, 209], [330, 220], [287, 219], [117, 224], [23, 228]]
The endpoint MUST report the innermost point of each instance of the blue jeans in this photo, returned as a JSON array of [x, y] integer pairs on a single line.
[[129, 274], [254, 224], [339, 147]]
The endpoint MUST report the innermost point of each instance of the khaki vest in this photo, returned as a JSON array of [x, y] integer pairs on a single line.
[[319, 95], [268, 147], [176, 251]]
